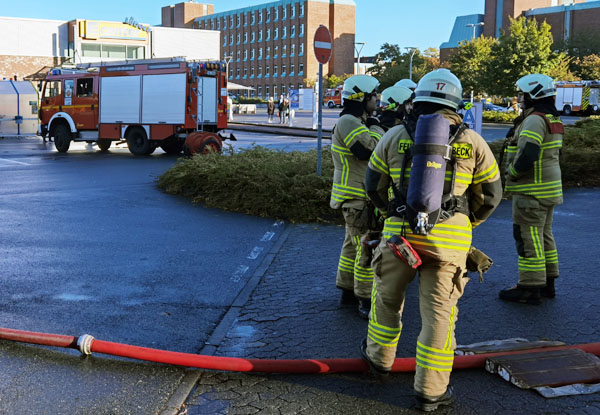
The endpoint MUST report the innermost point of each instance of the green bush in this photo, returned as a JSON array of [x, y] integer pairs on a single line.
[[258, 181], [243, 100], [273, 183], [499, 117], [580, 157]]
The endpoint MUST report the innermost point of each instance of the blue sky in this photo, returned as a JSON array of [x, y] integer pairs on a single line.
[[423, 24]]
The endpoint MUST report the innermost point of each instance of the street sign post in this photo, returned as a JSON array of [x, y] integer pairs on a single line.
[[323, 45]]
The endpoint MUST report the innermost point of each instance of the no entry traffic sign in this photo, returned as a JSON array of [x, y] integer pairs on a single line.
[[323, 44]]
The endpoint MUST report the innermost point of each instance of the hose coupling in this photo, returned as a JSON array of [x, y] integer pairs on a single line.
[[85, 344]]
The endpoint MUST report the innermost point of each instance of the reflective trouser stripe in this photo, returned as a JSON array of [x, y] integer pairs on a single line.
[[434, 359], [361, 273], [346, 264]]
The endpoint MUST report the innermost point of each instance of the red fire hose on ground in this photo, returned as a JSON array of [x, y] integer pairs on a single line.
[[86, 344]]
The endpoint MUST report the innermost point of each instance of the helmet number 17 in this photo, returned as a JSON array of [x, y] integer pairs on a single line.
[[440, 85]]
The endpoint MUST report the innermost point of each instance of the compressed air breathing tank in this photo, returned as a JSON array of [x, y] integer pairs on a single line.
[[428, 171]]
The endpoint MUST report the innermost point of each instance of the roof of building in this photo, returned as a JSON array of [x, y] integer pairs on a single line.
[[461, 32], [566, 8]]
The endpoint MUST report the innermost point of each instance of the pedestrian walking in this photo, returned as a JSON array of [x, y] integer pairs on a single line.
[[280, 108], [270, 110]]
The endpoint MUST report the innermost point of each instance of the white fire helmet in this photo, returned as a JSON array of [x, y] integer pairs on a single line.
[[357, 86], [537, 85], [395, 96], [406, 83], [440, 86]]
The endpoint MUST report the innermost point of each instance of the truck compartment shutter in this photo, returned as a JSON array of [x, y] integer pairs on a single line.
[[207, 100], [120, 99], [163, 99]]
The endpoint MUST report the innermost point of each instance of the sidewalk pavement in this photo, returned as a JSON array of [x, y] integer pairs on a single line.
[[294, 314]]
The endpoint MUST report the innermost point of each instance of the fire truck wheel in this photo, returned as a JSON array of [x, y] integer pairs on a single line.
[[330, 104], [103, 144], [172, 146], [137, 142], [62, 138], [567, 110], [210, 145]]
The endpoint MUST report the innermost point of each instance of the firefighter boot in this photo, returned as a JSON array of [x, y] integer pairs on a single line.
[[521, 294], [428, 404], [348, 297], [380, 373], [548, 291], [364, 307]]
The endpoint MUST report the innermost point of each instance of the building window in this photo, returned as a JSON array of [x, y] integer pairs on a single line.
[[301, 9], [275, 52], [276, 14], [301, 30], [268, 15], [274, 70], [260, 91], [283, 70], [230, 73], [251, 94], [260, 53], [260, 71], [253, 18], [113, 51], [293, 10], [224, 22], [268, 34], [219, 23], [267, 91], [300, 68], [238, 38], [267, 70], [283, 89], [253, 37], [276, 34], [301, 49], [231, 22], [245, 72], [293, 31], [136, 52], [225, 40], [252, 72], [245, 37], [291, 68], [300, 86], [260, 35], [245, 54], [284, 51], [245, 19], [284, 31], [283, 12], [238, 20], [260, 16], [230, 39], [237, 72], [252, 54], [292, 49], [238, 55], [212, 25], [268, 52]]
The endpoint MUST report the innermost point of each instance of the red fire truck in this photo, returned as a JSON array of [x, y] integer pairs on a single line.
[[147, 103]]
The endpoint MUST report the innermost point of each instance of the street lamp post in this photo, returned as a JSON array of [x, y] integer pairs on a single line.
[[412, 51], [362, 45], [227, 59], [474, 25]]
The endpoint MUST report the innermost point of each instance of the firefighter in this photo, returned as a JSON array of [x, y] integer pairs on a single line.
[[469, 199], [407, 83], [534, 180], [396, 105], [351, 146]]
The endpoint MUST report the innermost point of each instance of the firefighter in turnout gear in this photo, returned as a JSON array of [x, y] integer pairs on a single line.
[[396, 104], [534, 181], [351, 146], [470, 190]]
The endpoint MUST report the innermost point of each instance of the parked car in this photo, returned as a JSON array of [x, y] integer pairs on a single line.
[[491, 107]]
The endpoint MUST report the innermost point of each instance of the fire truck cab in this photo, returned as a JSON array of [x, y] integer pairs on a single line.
[[333, 97], [148, 103], [581, 97]]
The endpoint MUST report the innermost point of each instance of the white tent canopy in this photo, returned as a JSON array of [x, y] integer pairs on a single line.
[[234, 86]]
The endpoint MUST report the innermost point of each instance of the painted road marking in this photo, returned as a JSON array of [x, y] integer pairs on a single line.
[[255, 252], [237, 275], [267, 236], [15, 162]]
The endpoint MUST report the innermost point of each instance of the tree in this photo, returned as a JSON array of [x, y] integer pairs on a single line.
[[561, 68], [469, 62], [590, 67], [333, 81], [525, 50]]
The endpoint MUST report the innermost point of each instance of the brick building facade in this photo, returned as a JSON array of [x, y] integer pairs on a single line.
[[567, 18], [271, 45]]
